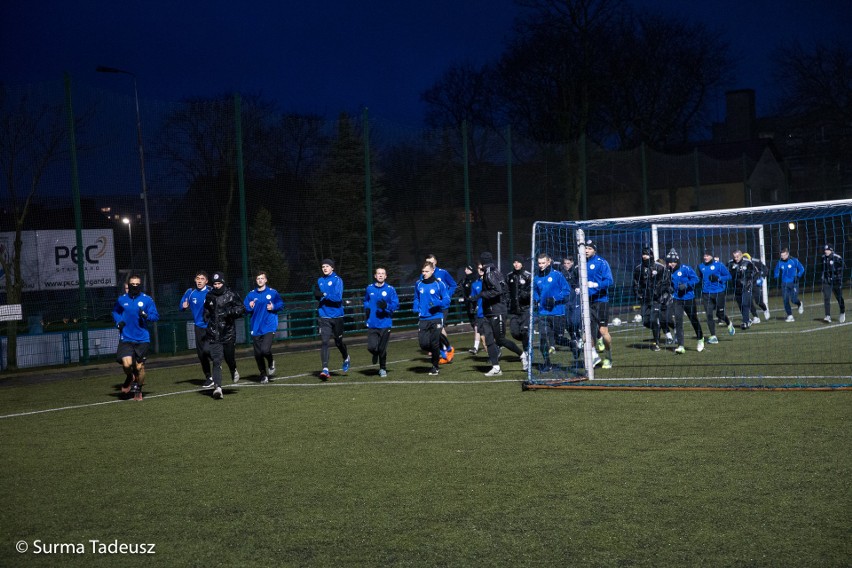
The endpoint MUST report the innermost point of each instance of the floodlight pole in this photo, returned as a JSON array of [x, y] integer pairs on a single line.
[[127, 222], [151, 287]]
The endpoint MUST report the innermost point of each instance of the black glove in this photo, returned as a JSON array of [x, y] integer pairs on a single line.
[[681, 289], [435, 310], [142, 318], [549, 304], [367, 312], [317, 293], [120, 325], [381, 304], [713, 278]]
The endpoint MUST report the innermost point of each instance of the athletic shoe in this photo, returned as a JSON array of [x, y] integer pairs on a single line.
[[680, 349], [271, 370], [525, 361], [217, 394], [745, 325], [138, 395], [827, 319], [712, 340], [264, 380], [208, 384], [655, 347], [346, 364], [236, 377], [325, 375], [790, 318], [607, 364], [599, 345], [545, 367], [433, 371], [755, 320], [669, 338], [801, 307], [731, 329], [700, 346], [442, 359], [473, 350], [596, 361], [495, 371], [125, 388], [383, 373], [451, 352], [843, 317], [766, 315]]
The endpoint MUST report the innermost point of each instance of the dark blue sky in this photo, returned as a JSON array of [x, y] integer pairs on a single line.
[[326, 56]]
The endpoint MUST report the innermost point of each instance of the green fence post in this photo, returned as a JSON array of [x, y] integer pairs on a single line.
[[468, 244], [509, 188], [238, 131]]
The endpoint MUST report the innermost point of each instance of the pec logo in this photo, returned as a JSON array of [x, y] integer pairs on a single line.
[[91, 254]]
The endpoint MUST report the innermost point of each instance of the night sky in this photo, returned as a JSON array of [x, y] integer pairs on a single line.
[[333, 55]]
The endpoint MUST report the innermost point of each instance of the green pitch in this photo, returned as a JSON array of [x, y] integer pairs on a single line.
[[412, 470]]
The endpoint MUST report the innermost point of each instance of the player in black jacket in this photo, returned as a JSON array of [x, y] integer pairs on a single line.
[[222, 307], [652, 287], [470, 276], [832, 282], [519, 282], [742, 275], [495, 310]]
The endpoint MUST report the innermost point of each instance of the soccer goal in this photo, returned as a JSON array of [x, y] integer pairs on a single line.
[[806, 352]]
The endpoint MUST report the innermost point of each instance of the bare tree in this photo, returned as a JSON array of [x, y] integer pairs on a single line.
[[32, 134]]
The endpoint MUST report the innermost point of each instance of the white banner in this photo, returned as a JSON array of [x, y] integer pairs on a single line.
[[49, 259]]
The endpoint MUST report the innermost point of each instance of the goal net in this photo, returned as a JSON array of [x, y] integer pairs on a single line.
[[778, 351]]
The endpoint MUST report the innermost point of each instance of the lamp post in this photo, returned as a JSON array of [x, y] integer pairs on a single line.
[[151, 288], [102, 69], [126, 221]]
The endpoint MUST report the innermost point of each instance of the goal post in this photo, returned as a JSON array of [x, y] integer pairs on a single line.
[[781, 352]]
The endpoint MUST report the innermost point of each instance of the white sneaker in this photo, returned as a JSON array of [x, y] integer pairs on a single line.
[[700, 346], [827, 319], [596, 361], [755, 319], [790, 318], [217, 394], [842, 317], [236, 378], [766, 315], [495, 371], [669, 338], [525, 361], [801, 307], [271, 369]]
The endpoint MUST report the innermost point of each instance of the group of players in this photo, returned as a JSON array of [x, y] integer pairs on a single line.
[[665, 288]]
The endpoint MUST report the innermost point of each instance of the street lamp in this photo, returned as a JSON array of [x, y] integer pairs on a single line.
[[126, 221], [102, 69]]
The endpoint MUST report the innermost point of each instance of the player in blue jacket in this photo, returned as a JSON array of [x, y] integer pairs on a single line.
[[431, 299], [789, 270], [599, 279], [380, 302], [329, 293], [714, 278], [684, 280], [447, 350], [263, 304], [550, 292], [131, 314], [193, 300]]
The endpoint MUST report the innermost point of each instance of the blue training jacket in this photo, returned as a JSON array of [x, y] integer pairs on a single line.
[[550, 284], [706, 270], [331, 304], [195, 297], [447, 279], [684, 274], [789, 270], [431, 299], [475, 291], [128, 310], [380, 318], [598, 270], [263, 320]]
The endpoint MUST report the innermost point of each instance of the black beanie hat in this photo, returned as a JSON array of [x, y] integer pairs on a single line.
[[486, 258], [218, 277], [520, 258], [328, 261]]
